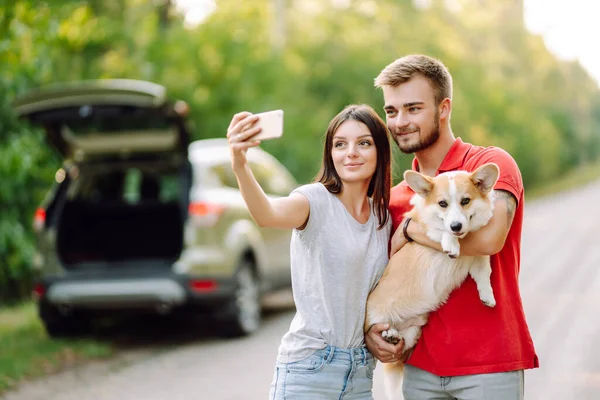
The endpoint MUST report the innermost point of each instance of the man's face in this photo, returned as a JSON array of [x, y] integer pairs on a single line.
[[412, 114]]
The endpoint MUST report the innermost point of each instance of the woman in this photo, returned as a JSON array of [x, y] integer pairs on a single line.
[[338, 252]]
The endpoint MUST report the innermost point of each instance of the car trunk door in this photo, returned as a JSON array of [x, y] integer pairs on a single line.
[[107, 118]]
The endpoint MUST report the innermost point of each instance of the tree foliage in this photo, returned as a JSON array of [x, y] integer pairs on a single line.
[[311, 58]]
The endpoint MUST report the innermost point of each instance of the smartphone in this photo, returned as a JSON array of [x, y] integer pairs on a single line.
[[271, 123]]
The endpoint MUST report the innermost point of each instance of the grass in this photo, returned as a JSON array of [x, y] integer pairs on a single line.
[[27, 352], [575, 178]]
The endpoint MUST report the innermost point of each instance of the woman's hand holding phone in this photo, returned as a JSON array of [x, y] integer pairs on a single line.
[[243, 133], [247, 130], [241, 128]]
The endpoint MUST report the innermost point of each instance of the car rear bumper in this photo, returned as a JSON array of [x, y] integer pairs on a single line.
[[151, 292], [126, 291]]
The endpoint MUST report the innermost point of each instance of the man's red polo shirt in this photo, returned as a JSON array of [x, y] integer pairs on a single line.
[[464, 337]]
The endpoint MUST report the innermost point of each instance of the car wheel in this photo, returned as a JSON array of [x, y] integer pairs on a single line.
[[60, 325], [244, 316]]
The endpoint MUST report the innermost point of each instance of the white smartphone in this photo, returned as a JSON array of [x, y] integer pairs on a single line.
[[271, 123]]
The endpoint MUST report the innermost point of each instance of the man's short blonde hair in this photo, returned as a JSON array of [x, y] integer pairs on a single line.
[[404, 69]]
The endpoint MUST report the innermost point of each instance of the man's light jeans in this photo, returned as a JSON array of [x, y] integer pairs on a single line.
[[422, 385]]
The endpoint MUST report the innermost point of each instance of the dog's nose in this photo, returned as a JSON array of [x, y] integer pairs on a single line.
[[456, 226]]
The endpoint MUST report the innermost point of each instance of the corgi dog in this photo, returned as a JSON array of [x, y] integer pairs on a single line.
[[418, 279]]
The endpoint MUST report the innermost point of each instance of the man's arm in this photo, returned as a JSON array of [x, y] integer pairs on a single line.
[[485, 241], [490, 239]]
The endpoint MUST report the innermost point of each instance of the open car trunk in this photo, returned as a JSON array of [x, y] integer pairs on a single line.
[[117, 215], [125, 193]]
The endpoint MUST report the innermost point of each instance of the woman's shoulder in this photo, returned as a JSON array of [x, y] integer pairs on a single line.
[[319, 198], [313, 190]]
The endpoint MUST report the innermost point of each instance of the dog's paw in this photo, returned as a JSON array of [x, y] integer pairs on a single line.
[[451, 246], [391, 336], [452, 251], [488, 299]]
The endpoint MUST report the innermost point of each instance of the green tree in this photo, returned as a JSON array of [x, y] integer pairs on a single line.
[[311, 58]]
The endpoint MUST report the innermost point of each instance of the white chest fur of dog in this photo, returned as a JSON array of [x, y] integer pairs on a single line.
[[418, 279]]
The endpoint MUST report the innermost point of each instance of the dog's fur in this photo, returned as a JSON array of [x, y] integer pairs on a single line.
[[418, 279]]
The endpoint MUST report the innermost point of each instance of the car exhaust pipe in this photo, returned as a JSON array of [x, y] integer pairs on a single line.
[[164, 308], [65, 310]]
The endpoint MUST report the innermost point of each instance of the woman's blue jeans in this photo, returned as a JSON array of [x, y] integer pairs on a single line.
[[329, 373]]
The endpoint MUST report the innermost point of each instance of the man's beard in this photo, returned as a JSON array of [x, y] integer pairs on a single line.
[[424, 142]]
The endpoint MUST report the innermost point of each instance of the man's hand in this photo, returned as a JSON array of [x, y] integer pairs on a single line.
[[382, 350], [398, 239], [416, 232]]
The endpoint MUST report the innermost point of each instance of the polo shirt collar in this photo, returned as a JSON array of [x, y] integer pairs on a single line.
[[454, 158]]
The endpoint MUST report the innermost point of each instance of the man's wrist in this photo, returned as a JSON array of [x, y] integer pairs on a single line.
[[405, 230]]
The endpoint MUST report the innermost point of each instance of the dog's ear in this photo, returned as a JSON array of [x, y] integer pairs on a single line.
[[421, 184], [485, 177]]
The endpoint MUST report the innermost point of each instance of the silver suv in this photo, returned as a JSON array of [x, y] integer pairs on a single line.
[[141, 219]]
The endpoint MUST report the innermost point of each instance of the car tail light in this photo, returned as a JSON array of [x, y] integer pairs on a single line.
[[203, 286], [39, 290], [205, 214], [39, 219]]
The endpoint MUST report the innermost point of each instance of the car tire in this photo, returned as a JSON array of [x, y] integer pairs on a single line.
[[244, 312], [59, 325]]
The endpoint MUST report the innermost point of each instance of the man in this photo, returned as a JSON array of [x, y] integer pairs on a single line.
[[467, 350]]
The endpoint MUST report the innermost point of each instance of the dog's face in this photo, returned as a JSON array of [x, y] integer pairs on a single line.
[[458, 202]]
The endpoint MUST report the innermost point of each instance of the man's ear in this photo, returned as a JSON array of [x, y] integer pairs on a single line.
[[421, 184], [445, 108], [485, 177]]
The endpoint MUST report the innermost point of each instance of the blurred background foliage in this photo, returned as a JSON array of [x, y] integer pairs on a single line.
[[309, 57]]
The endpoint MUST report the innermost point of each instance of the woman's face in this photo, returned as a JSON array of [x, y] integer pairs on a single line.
[[354, 153]]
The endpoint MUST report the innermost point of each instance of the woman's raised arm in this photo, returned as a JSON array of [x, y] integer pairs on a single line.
[[286, 212]]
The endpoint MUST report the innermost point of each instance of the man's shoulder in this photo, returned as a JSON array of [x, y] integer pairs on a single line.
[[400, 190], [493, 151], [510, 175], [479, 155], [400, 196]]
